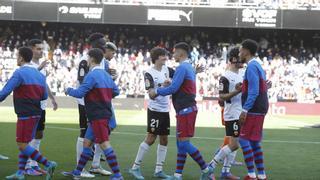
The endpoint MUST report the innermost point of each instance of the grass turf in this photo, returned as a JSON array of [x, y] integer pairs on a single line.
[[291, 149]]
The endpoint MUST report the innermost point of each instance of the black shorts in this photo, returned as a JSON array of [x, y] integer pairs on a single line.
[[158, 123], [82, 117], [41, 124], [232, 128]]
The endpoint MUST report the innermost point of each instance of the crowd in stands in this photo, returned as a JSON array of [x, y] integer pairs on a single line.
[[290, 58]]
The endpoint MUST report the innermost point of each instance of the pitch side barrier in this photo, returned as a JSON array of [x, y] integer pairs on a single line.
[[159, 15], [209, 105]]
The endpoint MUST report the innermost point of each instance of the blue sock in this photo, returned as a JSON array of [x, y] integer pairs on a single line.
[[85, 156], [247, 154], [258, 156], [112, 161], [195, 154], [181, 157], [35, 155], [22, 161]]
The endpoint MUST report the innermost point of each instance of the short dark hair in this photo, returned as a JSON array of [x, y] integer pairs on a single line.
[[182, 45], [111, 46], [234, 53], [156, 52], [96, 54], [250, 45], [25, 53], [33, 42], [95, 36], [97, 40]]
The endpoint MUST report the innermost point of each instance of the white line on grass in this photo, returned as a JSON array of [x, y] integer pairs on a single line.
[[206, 138]]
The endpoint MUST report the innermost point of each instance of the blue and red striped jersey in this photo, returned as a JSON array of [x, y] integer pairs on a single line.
[[29, 88], [182, 88], [254, 89], [98, 89]]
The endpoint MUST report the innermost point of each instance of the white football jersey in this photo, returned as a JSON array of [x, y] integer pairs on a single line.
[[160, 103], [232, 107], [42, 71]]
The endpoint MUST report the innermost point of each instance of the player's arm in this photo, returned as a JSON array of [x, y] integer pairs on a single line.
[[253, 87], [112, 72], [171, 72], [115, 90], [199, 68], [48, 90], [87, 84], [52, 98], [148, 81], [224, 93], [43, 64], [12, 83], [45, 95], [82, 71], [177, 81]]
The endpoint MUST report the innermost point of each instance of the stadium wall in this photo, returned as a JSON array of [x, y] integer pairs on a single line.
[[159, 15], [279, 108]]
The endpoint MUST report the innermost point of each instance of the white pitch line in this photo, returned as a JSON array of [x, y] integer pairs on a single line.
[[196, 137]]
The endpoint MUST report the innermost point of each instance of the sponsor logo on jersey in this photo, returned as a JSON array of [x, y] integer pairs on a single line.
[[236, 133]]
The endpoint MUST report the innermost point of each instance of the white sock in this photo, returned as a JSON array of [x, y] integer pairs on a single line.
[[35, 143], [97, 156], [205, 170], [161, 157], [143, 149], [79, 148], [227, 161], [224, 151]]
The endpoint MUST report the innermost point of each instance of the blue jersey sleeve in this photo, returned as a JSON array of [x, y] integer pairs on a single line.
[[45, 95], [12, 83], [115, 90], [253, 86], [177, 81], [87, 84]]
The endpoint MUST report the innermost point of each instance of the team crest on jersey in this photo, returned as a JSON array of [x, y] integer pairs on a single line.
[[221, 86], [147, 83], [81, 72]]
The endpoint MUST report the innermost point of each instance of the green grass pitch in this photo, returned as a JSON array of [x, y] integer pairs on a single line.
[[291, 147]]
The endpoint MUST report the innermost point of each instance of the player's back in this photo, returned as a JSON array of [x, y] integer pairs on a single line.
[[98, 99], [185, 96], [30, 92]]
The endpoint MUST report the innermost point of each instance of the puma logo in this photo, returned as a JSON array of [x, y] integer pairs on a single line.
[[168, 15], [186, 15]]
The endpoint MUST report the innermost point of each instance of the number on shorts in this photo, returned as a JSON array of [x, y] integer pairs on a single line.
[[154, 123], [235, 126]]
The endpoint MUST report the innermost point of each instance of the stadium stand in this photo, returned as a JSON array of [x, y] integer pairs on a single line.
[[290, 57]]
